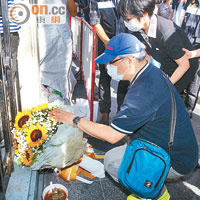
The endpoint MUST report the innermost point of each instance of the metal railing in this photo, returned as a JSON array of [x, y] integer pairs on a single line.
[[10, 101], [84, 50]]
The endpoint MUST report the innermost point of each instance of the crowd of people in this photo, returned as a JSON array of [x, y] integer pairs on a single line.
[[166, 40], [133, 33]]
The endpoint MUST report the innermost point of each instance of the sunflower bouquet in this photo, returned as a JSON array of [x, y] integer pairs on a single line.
[[32, 129]]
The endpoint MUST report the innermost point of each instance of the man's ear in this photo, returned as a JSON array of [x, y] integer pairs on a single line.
[[145, 14], [144, 17], [130, 59]]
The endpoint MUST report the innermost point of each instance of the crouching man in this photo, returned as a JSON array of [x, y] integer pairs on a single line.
[[145, 113]]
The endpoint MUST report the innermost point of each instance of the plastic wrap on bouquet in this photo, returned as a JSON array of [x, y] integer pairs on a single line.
[[64, 149], [95, 167], [88, 166]]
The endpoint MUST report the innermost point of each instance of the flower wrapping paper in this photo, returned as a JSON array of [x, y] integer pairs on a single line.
[[40, 142]]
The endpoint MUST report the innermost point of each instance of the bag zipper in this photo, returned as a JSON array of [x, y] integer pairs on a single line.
[[144, 148], [157, 156], [149, 142]]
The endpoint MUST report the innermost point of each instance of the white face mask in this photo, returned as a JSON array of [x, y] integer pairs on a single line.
[[132, 26], [112, 72]]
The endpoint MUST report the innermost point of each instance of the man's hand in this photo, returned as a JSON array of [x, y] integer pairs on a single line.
[[192, 54], [182, 68], [62, 116], [101, 33], [96, 130]]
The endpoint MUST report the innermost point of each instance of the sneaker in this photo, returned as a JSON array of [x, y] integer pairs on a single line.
[[198, 73], [133, 197], [165, 196], [189, 111]]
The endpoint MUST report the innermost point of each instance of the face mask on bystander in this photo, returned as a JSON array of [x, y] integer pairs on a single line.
[[132, 26]]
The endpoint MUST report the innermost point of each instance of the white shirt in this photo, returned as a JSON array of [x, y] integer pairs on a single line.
[[13, 26]]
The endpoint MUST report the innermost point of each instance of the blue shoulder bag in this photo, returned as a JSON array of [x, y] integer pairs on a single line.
[[145, 165]]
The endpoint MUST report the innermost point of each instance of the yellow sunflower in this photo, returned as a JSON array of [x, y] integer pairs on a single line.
[[15, 143], [35, 135], [27, 157], [21, 119], [16, 134], [16, 151], [40, 107]]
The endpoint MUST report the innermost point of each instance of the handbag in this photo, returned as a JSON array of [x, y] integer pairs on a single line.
[[145, 165]]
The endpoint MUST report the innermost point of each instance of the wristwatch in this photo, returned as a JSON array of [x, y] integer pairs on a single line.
[[76, 120]]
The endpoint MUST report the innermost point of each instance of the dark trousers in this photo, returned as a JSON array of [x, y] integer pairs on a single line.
[[192, 92], [104, 90], [14, 42]]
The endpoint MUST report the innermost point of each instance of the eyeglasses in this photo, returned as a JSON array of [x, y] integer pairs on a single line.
[[129, 19], [111, 62]]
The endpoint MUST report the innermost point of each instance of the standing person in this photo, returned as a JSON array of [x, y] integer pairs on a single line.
[[186, 15], [84, 6], [55, 44], [164, 41], [14, 40], [14, 36], [165, 9], [175, 4], [191, 27], [145, 113], [105, 19], [178, 11]]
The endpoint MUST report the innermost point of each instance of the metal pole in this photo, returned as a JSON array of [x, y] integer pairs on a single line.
[[9, 103], [7, 62]]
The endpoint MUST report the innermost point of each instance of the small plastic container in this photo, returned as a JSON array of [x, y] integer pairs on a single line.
[[50, 188]]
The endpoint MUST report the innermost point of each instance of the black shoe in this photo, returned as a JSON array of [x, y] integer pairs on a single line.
[[189, 112], [198, 73]]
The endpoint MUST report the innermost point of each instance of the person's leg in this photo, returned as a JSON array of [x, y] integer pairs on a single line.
[[113, 160], [14, 43], [173, 175], [198, 72], [163, 194], [121, 92], [104, 90], [192, 93], [112, 163]]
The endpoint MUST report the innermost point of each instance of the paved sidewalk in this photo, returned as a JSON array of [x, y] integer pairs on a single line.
[[187, 188]]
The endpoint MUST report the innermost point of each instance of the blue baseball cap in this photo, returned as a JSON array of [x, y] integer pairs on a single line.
[[122, 44]]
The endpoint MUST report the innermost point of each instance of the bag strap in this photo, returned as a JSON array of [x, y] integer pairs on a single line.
[[173, 115]]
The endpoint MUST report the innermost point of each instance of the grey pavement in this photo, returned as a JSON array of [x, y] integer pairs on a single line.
[[187, 188], [20, 185]]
